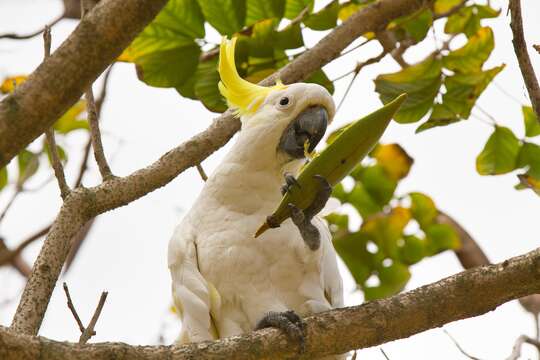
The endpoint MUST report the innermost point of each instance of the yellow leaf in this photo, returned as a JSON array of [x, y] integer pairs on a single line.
[[9, 83], [393, 158]]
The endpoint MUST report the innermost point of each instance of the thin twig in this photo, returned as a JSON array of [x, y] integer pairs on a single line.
[[523, 339], [355, 47], [356, 71], [89, 331], [7, 255], [384, 354], [201, 172], [86, 332], [349, 86], [49, 134], [537, 48], [18, 190], [520, 48], [508, 94], [459, 347], [14, 36], [72, 308], [95, 133], [493, 120]]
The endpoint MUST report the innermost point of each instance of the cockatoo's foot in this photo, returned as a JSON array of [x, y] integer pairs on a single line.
[[290, 181], [302, 219], [287, 321]]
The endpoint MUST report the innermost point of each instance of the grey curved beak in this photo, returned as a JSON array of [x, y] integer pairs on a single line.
[[310, 125]]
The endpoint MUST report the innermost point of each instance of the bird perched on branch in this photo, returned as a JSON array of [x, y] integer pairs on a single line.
[[226, 282]]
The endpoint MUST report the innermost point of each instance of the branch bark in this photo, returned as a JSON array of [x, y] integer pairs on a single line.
[[464, 295], [520, 48], [60, 80], [83, 204]]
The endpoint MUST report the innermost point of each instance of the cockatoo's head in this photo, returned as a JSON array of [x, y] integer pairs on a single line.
[[293, 117]]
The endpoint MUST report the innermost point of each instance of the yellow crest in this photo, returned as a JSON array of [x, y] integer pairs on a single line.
[[241, 95]]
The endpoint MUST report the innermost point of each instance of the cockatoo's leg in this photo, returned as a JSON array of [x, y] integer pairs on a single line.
[[302, 219], [289, 322]]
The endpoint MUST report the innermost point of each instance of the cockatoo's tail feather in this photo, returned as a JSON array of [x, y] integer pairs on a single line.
[[241, 95]]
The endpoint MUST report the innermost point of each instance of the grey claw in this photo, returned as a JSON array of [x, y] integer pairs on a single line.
[[321, 198], [289, 322], [290, 181]]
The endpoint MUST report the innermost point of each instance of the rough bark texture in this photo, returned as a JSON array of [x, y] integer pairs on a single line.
[[467, 294], [520, 48], [48, 265], [117, 192], [60, 80]]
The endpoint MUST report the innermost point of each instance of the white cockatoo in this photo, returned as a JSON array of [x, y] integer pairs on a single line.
[[226, 282]]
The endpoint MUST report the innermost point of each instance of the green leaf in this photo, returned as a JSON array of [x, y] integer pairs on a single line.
[[182, 17], [206, 86], [169, 68], [462, 92], [529, 156], [423, 209], [413, 250], [441, 237], [421, 82], [393, 159], [263, 38], [467, 20], [352, 250], [500, 153], [471, 57], [362, 201], [28, 163], [443, 6], [324, 19], [294, 7], [386, 229], [71, 120], [165, 52], [226, 16], [290, 37], [532, 126], [263, 9], [319, 77], [393, 279], [418, 24], [3, 177], [378, 184]]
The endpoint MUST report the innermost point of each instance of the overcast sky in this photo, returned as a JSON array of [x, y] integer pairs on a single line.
[[126, 251]]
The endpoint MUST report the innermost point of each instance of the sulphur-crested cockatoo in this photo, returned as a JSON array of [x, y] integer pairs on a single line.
[[226, 282]]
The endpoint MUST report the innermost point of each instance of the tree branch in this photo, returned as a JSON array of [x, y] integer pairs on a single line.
[[520, 48], [469, 254], [464, 295], [523, 339], [14, 36], [49, 133], [83, 204], [60, 80]]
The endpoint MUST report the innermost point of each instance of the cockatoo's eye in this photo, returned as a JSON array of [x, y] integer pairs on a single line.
[[284, 102]]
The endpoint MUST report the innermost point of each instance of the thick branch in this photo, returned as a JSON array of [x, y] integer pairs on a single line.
[[520, 48], [464, 295], [121, 191], [60, 80]]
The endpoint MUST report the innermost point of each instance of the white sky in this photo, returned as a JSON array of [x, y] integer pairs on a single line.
[[126, 250]]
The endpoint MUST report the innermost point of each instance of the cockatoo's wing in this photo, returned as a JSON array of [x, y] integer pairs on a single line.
[[333, 286], [196, 299]]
